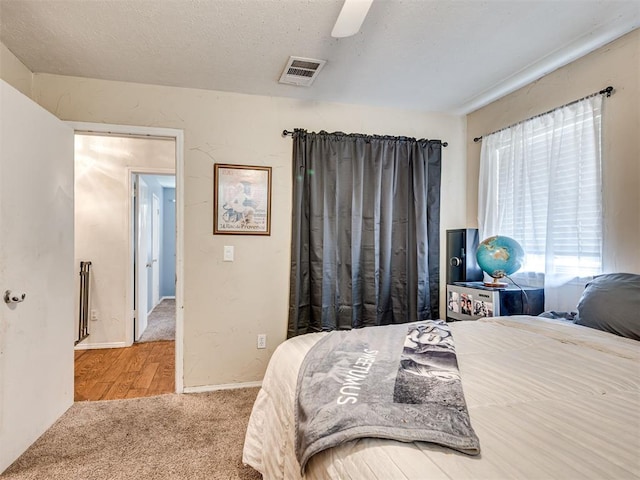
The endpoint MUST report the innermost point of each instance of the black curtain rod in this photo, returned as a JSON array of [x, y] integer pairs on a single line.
[[605, 91], [290, 133]]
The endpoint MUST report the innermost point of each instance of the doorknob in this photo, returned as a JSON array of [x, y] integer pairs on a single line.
[[14, 297]]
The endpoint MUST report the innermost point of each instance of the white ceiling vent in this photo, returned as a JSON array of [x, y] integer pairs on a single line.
[[301, 71]]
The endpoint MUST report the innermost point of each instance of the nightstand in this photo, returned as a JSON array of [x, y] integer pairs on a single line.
[[473, 300]]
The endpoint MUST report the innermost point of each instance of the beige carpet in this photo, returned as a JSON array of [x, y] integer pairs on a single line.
[[161, 322], [191, 436]]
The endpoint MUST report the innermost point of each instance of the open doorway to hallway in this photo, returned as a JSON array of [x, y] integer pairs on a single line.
[[126, 284], [154, 258]]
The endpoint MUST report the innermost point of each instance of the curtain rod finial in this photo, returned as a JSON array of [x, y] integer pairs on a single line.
[[607, 91]]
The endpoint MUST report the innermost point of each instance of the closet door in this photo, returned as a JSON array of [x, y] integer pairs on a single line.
[[36, 268]]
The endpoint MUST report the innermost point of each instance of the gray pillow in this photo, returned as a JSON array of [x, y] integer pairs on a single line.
[[611, 302]]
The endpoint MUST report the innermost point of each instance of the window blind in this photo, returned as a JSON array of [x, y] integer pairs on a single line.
[[543, 177]]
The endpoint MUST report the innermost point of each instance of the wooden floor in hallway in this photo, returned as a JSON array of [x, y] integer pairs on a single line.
[[142, 370]]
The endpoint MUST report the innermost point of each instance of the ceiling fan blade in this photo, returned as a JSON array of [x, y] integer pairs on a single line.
[[351, 17]]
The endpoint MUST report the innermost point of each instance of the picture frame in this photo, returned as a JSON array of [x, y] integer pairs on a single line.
[[241, 200]]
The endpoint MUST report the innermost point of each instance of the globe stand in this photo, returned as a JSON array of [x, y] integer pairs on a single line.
[[496, 283]]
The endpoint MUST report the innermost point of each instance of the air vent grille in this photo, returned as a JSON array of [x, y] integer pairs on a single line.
[[301, 71], [304, 64]]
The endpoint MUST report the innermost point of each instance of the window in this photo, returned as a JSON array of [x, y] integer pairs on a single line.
[[540, 183]]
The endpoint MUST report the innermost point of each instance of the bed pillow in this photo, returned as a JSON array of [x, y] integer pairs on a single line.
[[611, 302]]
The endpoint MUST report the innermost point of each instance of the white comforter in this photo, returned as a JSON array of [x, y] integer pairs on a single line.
[[547, 399]]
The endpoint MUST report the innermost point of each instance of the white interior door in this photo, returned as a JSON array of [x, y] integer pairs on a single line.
[[155, 253], [142, 256], [36, 259]]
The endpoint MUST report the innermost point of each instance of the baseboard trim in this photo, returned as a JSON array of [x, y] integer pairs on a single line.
[[93, 346], [226, 386]]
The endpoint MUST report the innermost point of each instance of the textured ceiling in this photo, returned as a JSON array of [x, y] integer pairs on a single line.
[[431, 55]]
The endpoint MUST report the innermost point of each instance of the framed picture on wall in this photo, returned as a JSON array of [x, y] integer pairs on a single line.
[[241, 200]]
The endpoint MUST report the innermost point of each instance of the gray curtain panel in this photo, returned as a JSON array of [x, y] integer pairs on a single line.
[[365, 236]]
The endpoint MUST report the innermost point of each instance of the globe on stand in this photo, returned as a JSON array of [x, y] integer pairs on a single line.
[[499, 256]]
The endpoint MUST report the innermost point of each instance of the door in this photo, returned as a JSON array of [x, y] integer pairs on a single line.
[[36, 259], [155, 251], [142, 257]]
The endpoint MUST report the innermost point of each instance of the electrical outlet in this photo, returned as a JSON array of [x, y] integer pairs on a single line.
[[262, 340], [94, 315]]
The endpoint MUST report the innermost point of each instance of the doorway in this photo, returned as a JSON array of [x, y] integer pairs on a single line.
[[116, 163], [154, 240]]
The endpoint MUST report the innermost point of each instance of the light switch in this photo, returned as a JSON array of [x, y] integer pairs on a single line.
[[228, 253]]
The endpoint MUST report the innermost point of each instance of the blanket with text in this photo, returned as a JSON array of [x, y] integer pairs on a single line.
[[399, 382]]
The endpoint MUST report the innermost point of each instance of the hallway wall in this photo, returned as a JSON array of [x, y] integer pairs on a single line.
[[168, 264]]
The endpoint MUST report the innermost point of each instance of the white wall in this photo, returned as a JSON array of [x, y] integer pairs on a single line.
[[102, 216], [227, 304], [616, 64], [14, 72]]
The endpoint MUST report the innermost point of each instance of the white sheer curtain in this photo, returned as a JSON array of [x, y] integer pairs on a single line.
[[540, 183]]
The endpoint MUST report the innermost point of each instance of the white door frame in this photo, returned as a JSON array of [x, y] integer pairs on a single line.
[[178, 136]]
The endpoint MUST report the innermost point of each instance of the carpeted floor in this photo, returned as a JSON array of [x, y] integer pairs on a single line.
[[161, 322], [191, 436]]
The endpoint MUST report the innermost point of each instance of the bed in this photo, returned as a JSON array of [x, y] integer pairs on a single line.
[[547, 399]]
